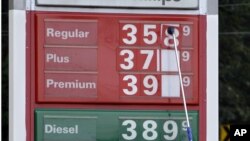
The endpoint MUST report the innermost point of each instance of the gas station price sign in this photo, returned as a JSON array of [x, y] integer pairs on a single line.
[[102, 58], [115, 125]]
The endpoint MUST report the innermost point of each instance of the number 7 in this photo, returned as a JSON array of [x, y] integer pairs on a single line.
[[150, 54]]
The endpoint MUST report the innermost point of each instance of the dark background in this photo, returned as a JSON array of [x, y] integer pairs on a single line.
[[234, 63], [5, 70]]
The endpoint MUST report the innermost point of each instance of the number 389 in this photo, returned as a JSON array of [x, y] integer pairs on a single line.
[[151, 130]]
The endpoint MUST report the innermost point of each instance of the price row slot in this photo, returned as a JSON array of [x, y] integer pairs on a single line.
[[137, 125], [154, 60], [157, 86], [155, 34]]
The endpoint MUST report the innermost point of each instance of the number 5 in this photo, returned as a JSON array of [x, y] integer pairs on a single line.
[[148, 33]]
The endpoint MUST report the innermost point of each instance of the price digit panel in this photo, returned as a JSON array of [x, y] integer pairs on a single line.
[[115, 58], [65, 125]]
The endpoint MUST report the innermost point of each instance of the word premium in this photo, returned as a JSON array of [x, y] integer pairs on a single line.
[[76, 84]]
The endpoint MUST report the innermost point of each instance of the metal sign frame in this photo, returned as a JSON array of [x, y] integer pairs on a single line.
[[18, 36], [163, 4]]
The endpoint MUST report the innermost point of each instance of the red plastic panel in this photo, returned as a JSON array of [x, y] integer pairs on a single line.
[[117, 58], [62, 85], [70, 59], [70, 32]]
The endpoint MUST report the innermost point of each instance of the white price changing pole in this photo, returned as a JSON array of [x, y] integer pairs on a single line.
[[17, 46]]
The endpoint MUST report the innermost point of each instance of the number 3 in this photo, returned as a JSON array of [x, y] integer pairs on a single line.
[[128, 60], [131, 84], [132, 135], [131, 34]]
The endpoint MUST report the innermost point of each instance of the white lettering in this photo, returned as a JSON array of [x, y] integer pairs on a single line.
[[56, 58], [54, 129], [61, 85], [243, 131], [49, 82], [66, 34], [57, 33], [70, 85], [48, 128], [49, 57], [59, 130], [237, 132], [50, 32]]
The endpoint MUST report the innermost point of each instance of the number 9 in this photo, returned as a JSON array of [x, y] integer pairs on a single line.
[[186, 30], [171, 133], [186, 81], [186, 56]]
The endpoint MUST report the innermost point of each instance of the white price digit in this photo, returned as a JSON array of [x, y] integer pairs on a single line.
[[153, 85], [150, 54], [171, 129], [150, 37], [185, 56], [169, 40], [149, 82], [184, 125], [149, 133], [131, 84], [186, 81], [128, 60], [186, 30], [132, 38], [131, 129]]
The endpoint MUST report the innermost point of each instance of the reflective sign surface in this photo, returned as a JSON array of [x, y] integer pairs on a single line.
[[115, 59], [76, 125]]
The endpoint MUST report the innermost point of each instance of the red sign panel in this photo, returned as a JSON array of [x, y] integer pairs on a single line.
[[70, 59], [115, 59], [71, 85], [70, 32]]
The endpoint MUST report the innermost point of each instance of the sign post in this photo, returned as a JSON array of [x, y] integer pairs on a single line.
[[108, 71]]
